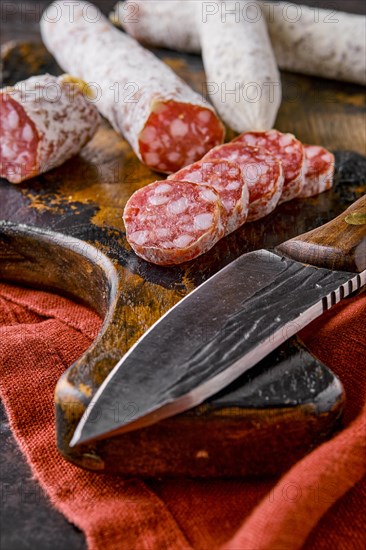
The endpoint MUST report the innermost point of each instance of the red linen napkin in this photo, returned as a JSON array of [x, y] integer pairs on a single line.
[[317, 504]]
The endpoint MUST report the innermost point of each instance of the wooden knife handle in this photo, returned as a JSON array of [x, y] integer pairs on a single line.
[[339, 244]]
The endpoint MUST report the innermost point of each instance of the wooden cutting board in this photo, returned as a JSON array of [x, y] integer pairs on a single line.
[[64, 231]]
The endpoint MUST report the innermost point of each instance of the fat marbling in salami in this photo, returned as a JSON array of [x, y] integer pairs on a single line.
[[288, 150], [262, 172], [170, 222], [227, 179], [319, 170], [44, 121]]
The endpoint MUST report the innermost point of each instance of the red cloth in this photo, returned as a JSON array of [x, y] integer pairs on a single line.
[[317, 504]]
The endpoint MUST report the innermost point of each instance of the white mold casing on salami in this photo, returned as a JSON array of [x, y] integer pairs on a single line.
[[171, 222], [319, 171], [241, 71], [262, 172], [305, 39], [228, 180], [167, 124], [45, 120], [160, 22], [289, 151], [326, 43]]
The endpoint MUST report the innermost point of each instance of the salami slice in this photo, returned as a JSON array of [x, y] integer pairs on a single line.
[[167, 124], [44, 121], [289, 151], [227, 179], [261, 171], [319, 171], [170, 222]]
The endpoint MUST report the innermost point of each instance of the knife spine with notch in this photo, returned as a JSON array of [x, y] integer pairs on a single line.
[[345, 290], [337, 245]]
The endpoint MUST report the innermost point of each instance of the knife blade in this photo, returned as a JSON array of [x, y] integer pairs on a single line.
[[227, 325]]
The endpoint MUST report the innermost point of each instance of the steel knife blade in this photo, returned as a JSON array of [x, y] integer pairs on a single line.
[[225, 327]]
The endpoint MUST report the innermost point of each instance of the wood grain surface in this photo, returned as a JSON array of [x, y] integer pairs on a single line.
[[339, 244]]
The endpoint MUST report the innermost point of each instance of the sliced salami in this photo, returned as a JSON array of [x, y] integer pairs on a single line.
[[319, 171], [170, 222], [44, 121], [227, 179], [262, 172], [167, 124], [289, 151]]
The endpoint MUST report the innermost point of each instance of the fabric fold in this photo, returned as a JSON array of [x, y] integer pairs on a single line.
[[317, 502]]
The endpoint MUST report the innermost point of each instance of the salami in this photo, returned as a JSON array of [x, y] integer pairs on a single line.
[[319, 171], [170, 222], [320, 42], [289, 151], [227, 179], [241, 71], [305, 39], [262, 172], [169, 24], [167, 124], [44, 121]]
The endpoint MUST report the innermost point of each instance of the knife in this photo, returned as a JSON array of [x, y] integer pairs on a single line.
[[227, 325]]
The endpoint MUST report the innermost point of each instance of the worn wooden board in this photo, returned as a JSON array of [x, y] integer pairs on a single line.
[[271, 416]]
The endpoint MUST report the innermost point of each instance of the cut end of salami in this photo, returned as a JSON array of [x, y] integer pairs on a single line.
[[18, 141], [289, 151], [44, 121], [319, 171], [170, 222], [262, 172], [227, 179], [177, 134]]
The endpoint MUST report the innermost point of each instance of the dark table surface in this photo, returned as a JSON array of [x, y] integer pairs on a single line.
[[27, 520]]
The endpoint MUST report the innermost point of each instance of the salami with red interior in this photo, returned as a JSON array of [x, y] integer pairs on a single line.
[[44, 121], [170, 222], [289, 151], [167, 124], [227, 179], [261, 171], [319, 170]]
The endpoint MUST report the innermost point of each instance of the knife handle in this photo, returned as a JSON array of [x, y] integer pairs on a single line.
[[339, 244]]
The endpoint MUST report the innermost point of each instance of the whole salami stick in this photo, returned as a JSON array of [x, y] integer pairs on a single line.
[[167, 124], [241, 71], [45, 120], [309, 40]]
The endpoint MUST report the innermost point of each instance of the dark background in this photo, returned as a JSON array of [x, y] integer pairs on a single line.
[[27, 521]]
